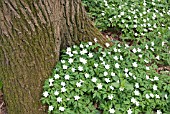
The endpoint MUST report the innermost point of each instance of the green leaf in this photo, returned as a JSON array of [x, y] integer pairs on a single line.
[[0, 84], [129, 86], [115, 84]]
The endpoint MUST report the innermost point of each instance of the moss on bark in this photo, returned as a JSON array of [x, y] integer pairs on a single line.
[[31, 36]]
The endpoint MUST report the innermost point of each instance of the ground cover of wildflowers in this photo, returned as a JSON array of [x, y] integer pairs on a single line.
[[117, 78], [122, 78], [133, 17]]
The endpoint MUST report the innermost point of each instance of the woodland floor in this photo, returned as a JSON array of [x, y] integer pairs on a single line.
[[107, 34]]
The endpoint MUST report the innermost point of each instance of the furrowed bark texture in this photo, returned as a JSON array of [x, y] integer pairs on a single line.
[[32, 32]]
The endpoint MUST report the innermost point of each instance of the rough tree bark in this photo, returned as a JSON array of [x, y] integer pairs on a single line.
[[32, 32]]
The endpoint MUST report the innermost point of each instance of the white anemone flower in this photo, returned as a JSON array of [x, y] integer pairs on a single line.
[[129, 111], [126, 70], [152, 43], [147, 77], [90, 55], [75, 52], [139, 50], [135, 64], [65, 67], [78, 84], [87, 75], [112, 111], [156, 78], [84, 51], [63, 61], [56, 93], [56, 76], [152, 95], [107, 80], [59, 99], [134, 77], [67, 77], [70, 60], [166, 96], [90, 43], [146, 46], [157, 96], [111, 87], [81, 45], [144, 4], [152, 49], [99, 86], [105, 73], [163, 43], [147, 68], [155, 87], [158, 112], [117, 65], [101, 58], [107, 44], [107, 66], [140, 55], [113, 74], [94, 79], [80, 68], [51, 82], [61, 108], [96, 65], [45, 94], [146, 61], [73, 69], [63, 89], [130, 74], [110, 97], [136, 92], [121, 58], [76, 98], [87, 46], [137, 103], [147, 96], [126, 75], [157, 57], [121, 88], [133, 100], [50, 108], [95, 40], [68, 49], [63, 83], [82, 60], [137, 85], [135, 26], [115, 58], [115, 50]]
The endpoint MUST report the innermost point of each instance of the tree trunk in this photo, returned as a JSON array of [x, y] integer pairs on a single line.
[[32, 32]]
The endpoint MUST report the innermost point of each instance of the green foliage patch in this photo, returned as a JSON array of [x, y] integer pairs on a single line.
[[134, 18], [119, 79]]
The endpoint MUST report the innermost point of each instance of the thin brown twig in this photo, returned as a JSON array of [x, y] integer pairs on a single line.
[[1, 105], [163, 68]]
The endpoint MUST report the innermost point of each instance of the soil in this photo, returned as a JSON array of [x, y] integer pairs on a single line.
[[2, 104]]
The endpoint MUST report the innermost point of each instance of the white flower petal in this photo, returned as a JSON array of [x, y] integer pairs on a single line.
[[61, 109]]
